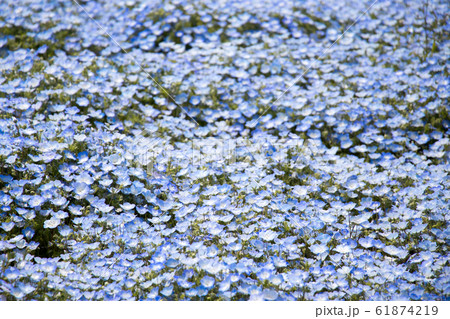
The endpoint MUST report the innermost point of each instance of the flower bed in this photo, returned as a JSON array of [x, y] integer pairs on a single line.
[[281, 161]]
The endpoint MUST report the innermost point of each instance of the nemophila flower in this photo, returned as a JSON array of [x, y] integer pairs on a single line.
[[81, 190], [27, 289], [417, 228], [85, 178], [102, 206], [215, 229], [129, 283], [366, 242], [8, 226], [268, 235], [60, 214], [234, 246], [52, 223], [186, 198], [21, 243], [75, 210], [28, 232], [264, 274], [167, 291], [36, 201], [395, 251], [328, 218], [346, 247], [127, 206], [48, 267], [65, 230], [82, 156], [270, 294], [106, 182], [352, 183], [60, 201], [318, 248], [207, 282]]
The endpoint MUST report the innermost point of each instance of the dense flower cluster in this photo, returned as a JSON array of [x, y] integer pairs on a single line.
[[111, 191]]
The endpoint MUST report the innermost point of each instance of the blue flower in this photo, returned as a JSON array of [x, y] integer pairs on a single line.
[[207, 282], [167, 291], [52, 223], [8, 226], [36, 201], [319, 248]]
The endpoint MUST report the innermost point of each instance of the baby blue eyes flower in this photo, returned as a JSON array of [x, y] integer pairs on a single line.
[[268, 235], [65, 230], [36, 201], [81, 190], [195, 100], [192, 292], [82, 158], [346, 143], [75, 210], [106, 182], [328, 218], [60, 201], [172, 263], [129, 283], [343, 249], [318, 248], [127, 206], [8, 226], [224, 285], [27, 289], [167, 291], [48, 267], [85, 178], [366, 242], [258, 244], [102, 206], [28, 232], [52, 223], [207, 281], [17, 293], [395, 251], [82, 101], [352, 183], [314, 134], [186, 39], [215, 229], [264, 274], [361, 219], [270, 294], [61, 214], [235, 246], [300, 191], [166, 205], [418, 228], [22, 106]]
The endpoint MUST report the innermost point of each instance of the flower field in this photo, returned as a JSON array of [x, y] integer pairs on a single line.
[[224, 150]]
